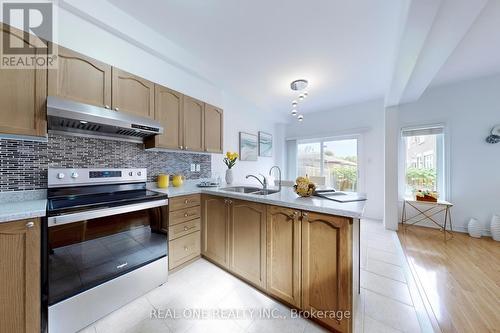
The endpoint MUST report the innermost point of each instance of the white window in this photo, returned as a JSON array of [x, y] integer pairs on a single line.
[[335, 160], [424, 161]]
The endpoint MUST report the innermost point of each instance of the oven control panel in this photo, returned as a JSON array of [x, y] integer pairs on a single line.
[[94, 176]]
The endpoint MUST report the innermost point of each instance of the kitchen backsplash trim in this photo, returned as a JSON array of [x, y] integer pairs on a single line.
[[24, 163]]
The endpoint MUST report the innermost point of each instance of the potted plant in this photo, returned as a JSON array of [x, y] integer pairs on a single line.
[[425, 195], [230, 161]]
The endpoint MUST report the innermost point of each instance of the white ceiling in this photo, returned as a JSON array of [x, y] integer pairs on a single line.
[[350, 51], [257, 47], [478, 54]]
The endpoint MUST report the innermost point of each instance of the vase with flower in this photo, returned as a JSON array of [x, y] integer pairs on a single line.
[[230, 161]]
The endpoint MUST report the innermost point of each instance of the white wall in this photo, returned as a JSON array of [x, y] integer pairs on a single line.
[[243, 117], [366, 119], [469, 110], [84, 33]]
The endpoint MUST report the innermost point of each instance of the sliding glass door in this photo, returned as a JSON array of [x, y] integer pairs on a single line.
[[332, 162]]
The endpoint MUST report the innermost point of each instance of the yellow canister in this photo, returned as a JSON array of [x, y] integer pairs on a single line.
[[177, 180], [162, 181]]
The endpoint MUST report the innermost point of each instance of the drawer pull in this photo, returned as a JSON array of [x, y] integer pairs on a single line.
[[186, 248], [186, 215], [186, 201], [186, 228], [30, 225], [122, 265]]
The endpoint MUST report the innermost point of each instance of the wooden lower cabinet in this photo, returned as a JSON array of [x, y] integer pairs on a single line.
[[327, 267], [215, 229], [247, 241], [184, 236], [301, 258], [283, 254], [184, 249], [20, 276]]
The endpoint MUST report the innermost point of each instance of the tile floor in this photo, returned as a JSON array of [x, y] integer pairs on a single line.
[[389, 300]]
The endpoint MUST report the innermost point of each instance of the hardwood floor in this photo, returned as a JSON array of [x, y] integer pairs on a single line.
[[460, 278]]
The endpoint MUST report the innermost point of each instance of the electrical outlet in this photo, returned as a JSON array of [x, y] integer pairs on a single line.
[[197, 167], [193, 167]]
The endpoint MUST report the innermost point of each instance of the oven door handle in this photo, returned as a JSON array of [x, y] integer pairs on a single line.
[[93, 214]]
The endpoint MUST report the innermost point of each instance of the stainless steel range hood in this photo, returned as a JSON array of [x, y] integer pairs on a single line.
[[73, 118]]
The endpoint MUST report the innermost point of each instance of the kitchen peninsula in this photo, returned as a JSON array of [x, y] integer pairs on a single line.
[[303, 252]]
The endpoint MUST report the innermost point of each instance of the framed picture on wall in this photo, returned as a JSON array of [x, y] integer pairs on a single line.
[[248, 147], [265, 144]]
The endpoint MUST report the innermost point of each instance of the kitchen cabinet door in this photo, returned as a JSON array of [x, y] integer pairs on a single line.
[[23, 93], [283, 254], [213, 129], [20, 276], [168, 111], [327, 266], [247, 241], [132, 94], [193, 124], [215, 229], [81, 79]]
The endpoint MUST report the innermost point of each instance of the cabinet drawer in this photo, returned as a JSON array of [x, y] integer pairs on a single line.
[[183, 249], [184, 215], [184, 228], [185, 201]]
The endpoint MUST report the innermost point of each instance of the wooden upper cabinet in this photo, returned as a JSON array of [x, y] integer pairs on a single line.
[[81, 79], [132, 94], [193, 124], [20, 276], [213, 129], [23, 94], [283, 254], [326, 266], [247, 241], [168, 111], [215, 229]]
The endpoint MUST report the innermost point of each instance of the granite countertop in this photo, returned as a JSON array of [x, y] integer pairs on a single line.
[[285, 198], [20, 205]]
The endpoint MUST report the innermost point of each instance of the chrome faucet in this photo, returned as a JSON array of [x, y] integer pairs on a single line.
[[279, 175], [263, 183]]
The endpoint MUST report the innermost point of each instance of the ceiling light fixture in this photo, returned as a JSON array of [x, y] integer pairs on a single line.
[[300, 117], [301, 97], [294, 112], [294, 104], [299, 85]]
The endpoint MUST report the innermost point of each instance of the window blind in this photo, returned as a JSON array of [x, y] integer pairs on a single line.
[[422, 131]]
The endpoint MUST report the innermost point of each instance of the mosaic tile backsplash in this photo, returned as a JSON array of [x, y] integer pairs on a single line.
[[23, 164]]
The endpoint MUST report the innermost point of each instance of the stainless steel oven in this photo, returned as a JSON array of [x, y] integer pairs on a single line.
[[105, 243]]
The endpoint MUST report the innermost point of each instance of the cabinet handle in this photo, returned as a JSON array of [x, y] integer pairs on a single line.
[[186, 248], [186, 215], [186, 228], [294, 215], [30, 225], [230, 202], [186, 201], [117, 109], [304, 216], [106, 106], [186, 148], [181, 147]]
